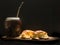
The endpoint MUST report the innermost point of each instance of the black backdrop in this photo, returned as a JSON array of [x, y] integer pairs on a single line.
[[35, 14]]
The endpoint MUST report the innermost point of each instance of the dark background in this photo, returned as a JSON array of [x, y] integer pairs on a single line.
[[35, 14]]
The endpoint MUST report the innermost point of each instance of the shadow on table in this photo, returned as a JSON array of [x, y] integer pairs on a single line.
[[54, 34], [32, 41]]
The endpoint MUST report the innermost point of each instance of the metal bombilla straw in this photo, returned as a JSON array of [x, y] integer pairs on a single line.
[[19, 8]]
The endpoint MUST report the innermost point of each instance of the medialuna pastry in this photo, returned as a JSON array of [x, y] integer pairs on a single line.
[[41, 34], [27, 34], [38, 34]]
